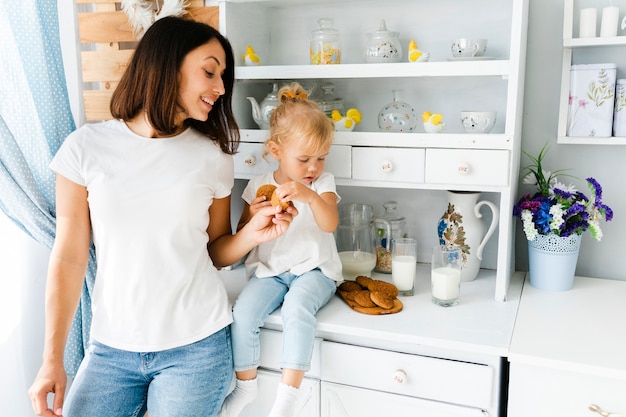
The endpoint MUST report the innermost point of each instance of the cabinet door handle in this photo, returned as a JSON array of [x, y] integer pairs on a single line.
[[250, 161], [463, 168], [603, 413], [400, 376], [386, 166]]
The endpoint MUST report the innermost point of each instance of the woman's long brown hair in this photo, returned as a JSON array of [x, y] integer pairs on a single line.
[[150, 82]]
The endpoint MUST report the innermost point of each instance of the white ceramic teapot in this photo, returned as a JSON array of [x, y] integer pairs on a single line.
[[261, 112]]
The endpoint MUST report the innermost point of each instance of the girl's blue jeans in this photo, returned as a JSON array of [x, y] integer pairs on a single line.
[[301, 297], [188, 381]]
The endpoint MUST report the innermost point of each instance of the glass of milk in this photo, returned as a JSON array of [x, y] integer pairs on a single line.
[[403, 264], [445, 275]]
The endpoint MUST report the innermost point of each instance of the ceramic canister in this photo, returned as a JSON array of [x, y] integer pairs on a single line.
[[591, 100], [619, 115]]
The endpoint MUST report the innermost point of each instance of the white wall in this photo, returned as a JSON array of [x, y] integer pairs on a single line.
[[605, 163], [23, 264]]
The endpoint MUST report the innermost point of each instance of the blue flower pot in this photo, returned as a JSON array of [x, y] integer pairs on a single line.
[[552, 261]]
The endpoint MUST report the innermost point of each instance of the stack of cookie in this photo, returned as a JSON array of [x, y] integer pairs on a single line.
[[370, 296]]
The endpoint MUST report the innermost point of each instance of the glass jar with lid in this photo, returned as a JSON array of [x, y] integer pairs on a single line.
[[397, 227], [325, 47], [328, 101]]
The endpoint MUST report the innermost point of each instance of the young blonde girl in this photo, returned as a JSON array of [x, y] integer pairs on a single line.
[[299, 270]]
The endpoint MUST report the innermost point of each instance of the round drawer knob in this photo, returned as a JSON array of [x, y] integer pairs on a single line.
[[250, 161], [386, 166], [463, 168], [399, 376]]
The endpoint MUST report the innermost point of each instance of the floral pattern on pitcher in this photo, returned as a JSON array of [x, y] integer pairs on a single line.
[[451, 232]]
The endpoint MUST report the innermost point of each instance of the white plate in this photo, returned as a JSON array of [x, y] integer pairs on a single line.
[[472, 58]]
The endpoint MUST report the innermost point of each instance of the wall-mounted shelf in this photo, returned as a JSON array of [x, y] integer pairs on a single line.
[[583, 45]]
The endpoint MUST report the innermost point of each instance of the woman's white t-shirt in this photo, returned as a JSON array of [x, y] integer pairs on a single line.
[[304, 246], [156, 287]]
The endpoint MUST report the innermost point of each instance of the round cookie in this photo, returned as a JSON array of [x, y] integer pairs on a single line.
[[387, 288], [363, 281], [381, 299], [349, 286], [363, 299], [278, 202], [267, 190]]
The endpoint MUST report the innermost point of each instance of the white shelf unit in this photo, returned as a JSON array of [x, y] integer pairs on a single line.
[[280, 31], [586, 50]]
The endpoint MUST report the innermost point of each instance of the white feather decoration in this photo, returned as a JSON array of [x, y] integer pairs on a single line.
[[141, 15], [172, 8]]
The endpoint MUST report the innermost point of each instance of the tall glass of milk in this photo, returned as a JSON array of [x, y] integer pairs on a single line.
[[445, 276], [403, 264]]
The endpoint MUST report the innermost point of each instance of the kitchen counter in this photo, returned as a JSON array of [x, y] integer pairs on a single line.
[[580, 330], [477, 325]]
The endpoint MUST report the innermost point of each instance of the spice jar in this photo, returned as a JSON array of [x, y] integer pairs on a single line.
[[397, 228], [325, 47]]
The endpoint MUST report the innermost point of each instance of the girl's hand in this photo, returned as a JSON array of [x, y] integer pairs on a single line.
[[295, 191], [257, 204]]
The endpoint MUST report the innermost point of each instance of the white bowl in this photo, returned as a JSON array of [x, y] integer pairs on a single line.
[[468, 47], [478, 121]]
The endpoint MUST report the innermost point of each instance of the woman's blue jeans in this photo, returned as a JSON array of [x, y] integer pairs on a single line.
[[188, 381], [301, 297]]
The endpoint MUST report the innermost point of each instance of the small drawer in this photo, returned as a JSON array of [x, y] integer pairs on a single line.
[[339, 161], [388, 164], [272, 350], [249, 161], [430, 378], [471, 167]]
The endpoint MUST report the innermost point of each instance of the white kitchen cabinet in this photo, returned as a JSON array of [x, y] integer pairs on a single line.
[[348, 401], [567, 351], [280, 32], [464, 385], [594, 50]]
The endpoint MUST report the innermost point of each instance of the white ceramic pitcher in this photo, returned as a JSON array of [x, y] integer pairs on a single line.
[[461, 225]]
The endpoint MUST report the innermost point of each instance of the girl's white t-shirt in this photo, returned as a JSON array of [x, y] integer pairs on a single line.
[[156, 287], [304, 246]]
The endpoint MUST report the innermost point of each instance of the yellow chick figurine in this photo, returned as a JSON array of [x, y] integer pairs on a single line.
[[250, 57], [348, 122], [433, 123], [415, 55]]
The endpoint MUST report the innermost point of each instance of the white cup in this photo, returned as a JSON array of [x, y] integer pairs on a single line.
[[404, 264], [478, 121], [467, 48], [445, 275]]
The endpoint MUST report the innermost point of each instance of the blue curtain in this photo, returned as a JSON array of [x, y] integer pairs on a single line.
[[35, 118]]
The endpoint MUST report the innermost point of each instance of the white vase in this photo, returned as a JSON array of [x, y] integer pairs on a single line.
[[591, 100], [552, 261], [462, 225]]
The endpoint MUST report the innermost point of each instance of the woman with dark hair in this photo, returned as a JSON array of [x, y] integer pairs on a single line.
[[152, 189]]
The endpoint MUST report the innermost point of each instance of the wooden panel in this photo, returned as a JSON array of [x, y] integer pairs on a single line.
[[112, 40], [97, 104], [104, 65], [104, 27]]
